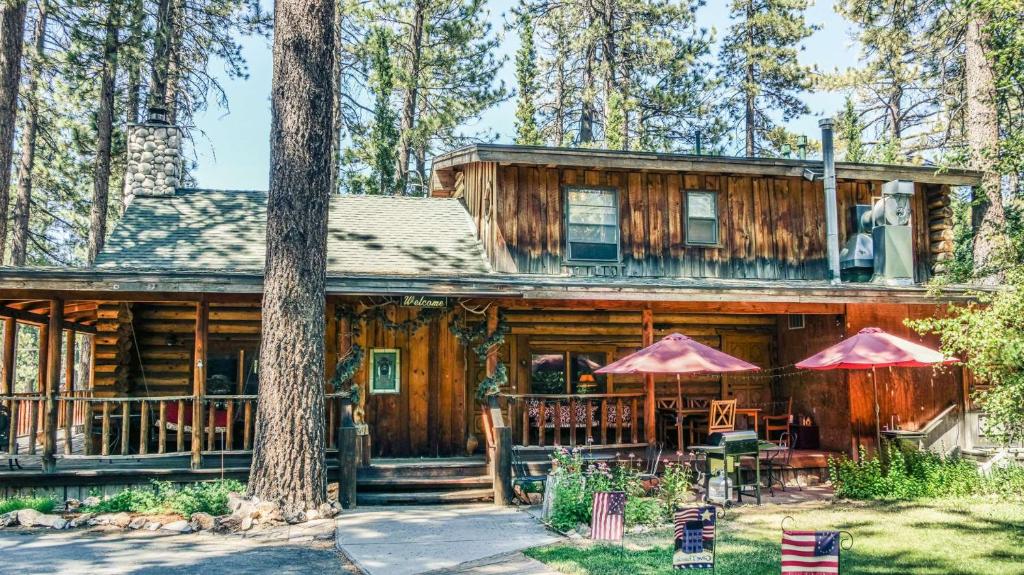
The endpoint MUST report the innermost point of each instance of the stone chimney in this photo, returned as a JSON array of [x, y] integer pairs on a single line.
[[154, 157]]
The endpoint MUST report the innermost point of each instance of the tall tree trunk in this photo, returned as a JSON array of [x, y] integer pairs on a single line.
[[336, 95], [982, 132], [587, 112], [161, 54], [288, 458], [104, 130], [749, 95], [409, 105], [172, 95], [19, 241], [12, 36]]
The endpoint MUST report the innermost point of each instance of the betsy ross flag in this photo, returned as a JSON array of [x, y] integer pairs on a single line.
[[609, 517], [695, 538], [810, 552]]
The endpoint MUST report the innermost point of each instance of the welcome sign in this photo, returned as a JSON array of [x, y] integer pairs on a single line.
[[435, 302]]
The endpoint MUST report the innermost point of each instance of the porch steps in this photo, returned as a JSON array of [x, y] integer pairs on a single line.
[[424, 481]]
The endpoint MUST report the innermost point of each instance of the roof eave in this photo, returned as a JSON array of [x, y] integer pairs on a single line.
[[629, 160]]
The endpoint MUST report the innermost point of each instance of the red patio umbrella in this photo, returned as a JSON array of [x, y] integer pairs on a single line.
[[678, 354], [872, 348]]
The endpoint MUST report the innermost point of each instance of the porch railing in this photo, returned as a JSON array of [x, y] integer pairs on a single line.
[[140, 426], [599, 419]]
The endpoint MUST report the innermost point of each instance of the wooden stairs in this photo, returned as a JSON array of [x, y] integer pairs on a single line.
[[424, 481]]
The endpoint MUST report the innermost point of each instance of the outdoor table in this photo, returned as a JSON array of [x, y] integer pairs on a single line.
[[771, 451], [753, 413], [718, 452]]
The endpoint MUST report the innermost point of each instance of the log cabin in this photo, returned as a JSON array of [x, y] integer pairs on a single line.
[[524, 270]]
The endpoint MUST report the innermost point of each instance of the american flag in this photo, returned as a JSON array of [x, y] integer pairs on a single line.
[[810, 552], [609, 517], [695, 538]]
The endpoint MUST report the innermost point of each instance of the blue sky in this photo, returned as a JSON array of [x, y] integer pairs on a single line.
[[232, 146]]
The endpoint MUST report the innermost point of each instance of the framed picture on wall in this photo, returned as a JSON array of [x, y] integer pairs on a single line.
[[385, 370]]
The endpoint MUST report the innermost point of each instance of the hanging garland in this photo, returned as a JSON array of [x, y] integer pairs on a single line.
[[476, 339], [349, 365]]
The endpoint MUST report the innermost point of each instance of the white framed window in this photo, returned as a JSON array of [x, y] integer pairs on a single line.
[[592, 224], [702, 218]]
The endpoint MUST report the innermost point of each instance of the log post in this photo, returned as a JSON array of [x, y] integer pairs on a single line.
[[53, 369], [347, 456], [650, 430], [503, 466], [199, 381], [69, 382], [10, 341]]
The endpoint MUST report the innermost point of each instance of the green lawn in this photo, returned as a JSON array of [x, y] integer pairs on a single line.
[[934, 537]]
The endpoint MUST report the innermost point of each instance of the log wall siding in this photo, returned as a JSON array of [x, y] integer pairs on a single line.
[[428, 416], [147, 348], [770, 227]]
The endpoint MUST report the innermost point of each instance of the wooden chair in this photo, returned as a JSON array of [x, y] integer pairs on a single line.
[[652, 458], [666, 414], [696, 424], [778, 421], [723, 416]]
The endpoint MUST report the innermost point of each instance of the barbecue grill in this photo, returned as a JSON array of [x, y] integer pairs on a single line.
[[724, 450]]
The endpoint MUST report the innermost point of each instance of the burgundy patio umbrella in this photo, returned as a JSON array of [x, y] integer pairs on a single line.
[[677, 354], [870, 349]]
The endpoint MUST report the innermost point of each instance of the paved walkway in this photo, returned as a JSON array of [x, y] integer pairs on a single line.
[[94, 553], [407, 540]]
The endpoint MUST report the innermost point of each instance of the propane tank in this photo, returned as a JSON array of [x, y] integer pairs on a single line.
[[720, 488]]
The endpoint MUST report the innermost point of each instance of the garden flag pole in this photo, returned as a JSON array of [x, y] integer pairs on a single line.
[[870, 349]]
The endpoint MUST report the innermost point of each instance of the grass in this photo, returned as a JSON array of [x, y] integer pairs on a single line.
[[40, 504], [947, 537]]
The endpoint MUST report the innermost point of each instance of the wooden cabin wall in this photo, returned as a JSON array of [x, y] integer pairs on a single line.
[[147, 349], [915, 395], [822, 395], [618, 333], [770, 227], [428, 416]]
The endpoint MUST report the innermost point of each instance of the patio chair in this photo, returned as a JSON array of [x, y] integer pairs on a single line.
[[778, 466], [5, 438], [696, 424], [723, 416], [778, 420], [521, 477]]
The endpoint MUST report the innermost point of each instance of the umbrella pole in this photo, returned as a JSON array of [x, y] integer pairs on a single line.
[[878, 427]]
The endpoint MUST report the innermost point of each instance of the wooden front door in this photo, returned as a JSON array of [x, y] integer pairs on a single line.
[[757, 349]]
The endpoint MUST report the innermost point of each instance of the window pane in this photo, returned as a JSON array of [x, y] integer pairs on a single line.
[[702, 231], [547, 373], [592, 197], [701, 205], [593, 252], [595, 234], [582, 366], [592, 215]]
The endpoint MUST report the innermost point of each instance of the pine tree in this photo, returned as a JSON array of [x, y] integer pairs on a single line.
[[383, 139], [759, 65], [850, 130], [526, 79], [623, 73]]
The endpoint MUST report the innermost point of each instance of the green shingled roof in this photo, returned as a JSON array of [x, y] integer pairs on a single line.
[[214, 230]]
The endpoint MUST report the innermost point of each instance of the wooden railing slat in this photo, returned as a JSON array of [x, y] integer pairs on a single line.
[[126, 426], [33, 426], [161, 433], [143, 428], [179, 435], [105, 434]]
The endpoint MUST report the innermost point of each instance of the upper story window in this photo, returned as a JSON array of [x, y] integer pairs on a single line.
[[592, 224], [702, 218]]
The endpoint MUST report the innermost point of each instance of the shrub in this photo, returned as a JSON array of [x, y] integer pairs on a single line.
[[674, 490], [161, 497], [578, 481], [40, 504], [913, 474]]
